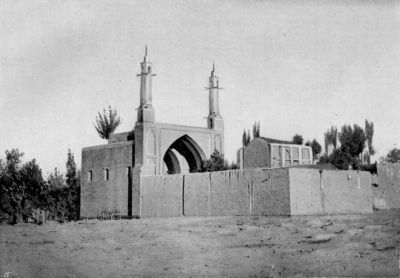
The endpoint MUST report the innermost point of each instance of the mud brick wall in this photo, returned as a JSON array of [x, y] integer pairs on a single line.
[[347, 191], [161, 196], [386, 188], [270, 192], [258, 191], [197, 188], [229, 193], [100, 194], [329, 192], [305, 192], [237, 192]]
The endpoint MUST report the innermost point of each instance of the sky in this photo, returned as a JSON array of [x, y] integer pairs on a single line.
[[295, 66]]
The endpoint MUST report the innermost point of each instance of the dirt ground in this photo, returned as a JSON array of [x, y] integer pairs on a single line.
[[328, 246]]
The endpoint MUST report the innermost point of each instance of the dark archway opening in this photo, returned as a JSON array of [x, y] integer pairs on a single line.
[[189, 150]]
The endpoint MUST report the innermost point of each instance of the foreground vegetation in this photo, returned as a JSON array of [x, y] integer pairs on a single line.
[[23, 190]]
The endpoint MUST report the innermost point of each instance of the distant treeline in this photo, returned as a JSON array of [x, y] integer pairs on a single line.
[[23, 190]]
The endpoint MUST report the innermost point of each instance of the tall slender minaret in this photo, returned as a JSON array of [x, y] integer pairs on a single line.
[[145, 110], [214, 119]]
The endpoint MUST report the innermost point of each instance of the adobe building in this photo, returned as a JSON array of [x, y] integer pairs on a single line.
[[111, 172], [273, 153]]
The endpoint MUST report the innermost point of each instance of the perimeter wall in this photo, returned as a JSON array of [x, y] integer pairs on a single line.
[[386, 186], [314, 191], [263, 192]]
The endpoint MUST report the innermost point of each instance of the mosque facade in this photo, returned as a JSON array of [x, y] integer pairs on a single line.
[[111, 172]]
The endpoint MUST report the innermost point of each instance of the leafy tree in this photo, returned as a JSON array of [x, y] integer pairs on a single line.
[[33, 183], [245, 142], [215, 163], [56, 184], [342, 159], [369, 133], [393, 156], [330, 137], [72, 180], [106, 124], [297, 139], [55, 180], [34, 189], [315, 147], [326, 141], [64, 194], [352, 140], [12, 190], [71, 169], [334, 136], [233, 166], [22, 187]]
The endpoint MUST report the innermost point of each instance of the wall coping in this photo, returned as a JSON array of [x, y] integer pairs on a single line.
[[109, 146]]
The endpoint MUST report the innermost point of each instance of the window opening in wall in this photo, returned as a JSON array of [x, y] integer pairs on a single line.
[[295, 153], [288, 160], [106, 174], [276, 156], [305, 155], [90, 175]]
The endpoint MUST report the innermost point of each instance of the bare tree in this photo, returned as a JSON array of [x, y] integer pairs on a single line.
[[107, 123]]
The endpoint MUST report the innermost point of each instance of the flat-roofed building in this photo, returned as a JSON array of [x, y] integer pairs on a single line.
[[273, 153]]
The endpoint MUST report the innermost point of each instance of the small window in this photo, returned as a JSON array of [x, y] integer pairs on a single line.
[[90, 175], [288, 160], [128, 171], [305, 155], [295, 154], [276, 153], [276, 156], [106, 174]]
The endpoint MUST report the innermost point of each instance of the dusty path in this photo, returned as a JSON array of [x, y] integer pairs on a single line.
[[330, 246]]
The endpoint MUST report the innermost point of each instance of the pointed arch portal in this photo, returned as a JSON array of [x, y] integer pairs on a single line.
[[189, 149]]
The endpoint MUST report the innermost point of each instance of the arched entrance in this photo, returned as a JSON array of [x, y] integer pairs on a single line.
[[189, 150]]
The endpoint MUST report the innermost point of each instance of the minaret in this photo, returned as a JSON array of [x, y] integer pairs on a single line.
[[145, 110], [214, 119]]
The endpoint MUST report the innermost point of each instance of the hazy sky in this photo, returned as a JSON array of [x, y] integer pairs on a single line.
[[297, 66]]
